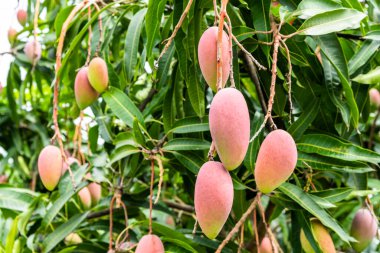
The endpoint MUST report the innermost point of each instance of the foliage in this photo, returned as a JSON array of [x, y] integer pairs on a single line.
[[163, 106]]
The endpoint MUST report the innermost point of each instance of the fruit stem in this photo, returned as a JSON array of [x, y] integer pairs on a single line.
[[100, 25], [151, 195], [238, 224], [89, 37], [219, 74], [229, 28], [289, 79]]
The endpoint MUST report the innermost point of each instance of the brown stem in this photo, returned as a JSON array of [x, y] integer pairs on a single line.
[[215, 12], [89, 37], [149, 98], [111, 221], [229, 28], [255, 230], [211, 152], [100, 25], [179, 206], [151, 195], [176, 28], [241, 238], [161, 177], [372, 132], [57, 134], [219, 75], [238, 224]]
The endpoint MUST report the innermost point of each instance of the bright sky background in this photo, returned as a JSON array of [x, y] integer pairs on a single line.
[[8, 9]]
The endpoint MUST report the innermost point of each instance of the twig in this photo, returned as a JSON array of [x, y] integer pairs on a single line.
[[161, 167], [229, 25], [111, 221], [176, 28], [35, 27], [256, 231], [100, 25], [241, 238], [219, 75], [215, 12], [57, 134], [289, 79], [372, 132], [195, 227], [179, 206], [238, 224], [89, 37], [211, 152], [150, 96], [151, 195]]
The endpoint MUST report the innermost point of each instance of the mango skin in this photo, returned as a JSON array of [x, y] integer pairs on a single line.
[[85, 95], [276, 160], [85, 197], [50, 166], [31, 51], [95, 190], [207, 56], [213, 197], [229, 126], [72, 239], [12, 35], [374, 97], [321, 236], [150, 244], [98, 74], [22, 16], [363, 229], [265, 246]]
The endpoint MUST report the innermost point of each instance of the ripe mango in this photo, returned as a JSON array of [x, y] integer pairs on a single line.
[[265, 246], [32, 50], [150, 244], [85, 197], [207, 56], [363, 229], [85, 95], [50, 166], [12, 35], [98, 74], [22, 16], [276, 160], [213, 197], [229, 126], [321, 236], [374, 97]]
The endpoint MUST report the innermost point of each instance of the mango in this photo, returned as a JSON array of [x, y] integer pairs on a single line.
[[95, 190], [213, 197], [265, 246], [229, 126], [276, 160], [12, 35], [32, 50], [207, 56], [150, 244], [321, 236], [50, 166], [72, 239], [85, 197], [22, 16], [363, 229], [98, 74], [69, 162], [85, 95], [374, 97]]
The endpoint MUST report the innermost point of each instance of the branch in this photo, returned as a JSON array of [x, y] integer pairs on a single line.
[[35, 27], [182, 207]]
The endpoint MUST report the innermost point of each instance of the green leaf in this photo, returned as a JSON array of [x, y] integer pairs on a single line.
[[16, 199], [331, 21], [137, 133], [362, 56], [11, 237], [122, 106], [326, 145], [332, 49], [372, 35], [132, 42], [62, 231], [152, 23], [191, 162], [319, 162], [186, 144], [309, 8], [333, 195], [371, 77], [61, 18], [304, 200], [190, 125], [303, 122], [122, 152]]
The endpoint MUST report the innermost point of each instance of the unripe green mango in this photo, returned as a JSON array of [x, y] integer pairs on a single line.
[[85, 94], [73, 239], [276, 160], [98, 74], [150, 244], [50, 166], [22, 16], [363, 229], [229, 126], [213, 197], [32, 50], [207, 56], [12, 35], [321, 236]]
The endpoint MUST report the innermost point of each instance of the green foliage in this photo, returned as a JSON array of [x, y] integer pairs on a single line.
[[163, 107]]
